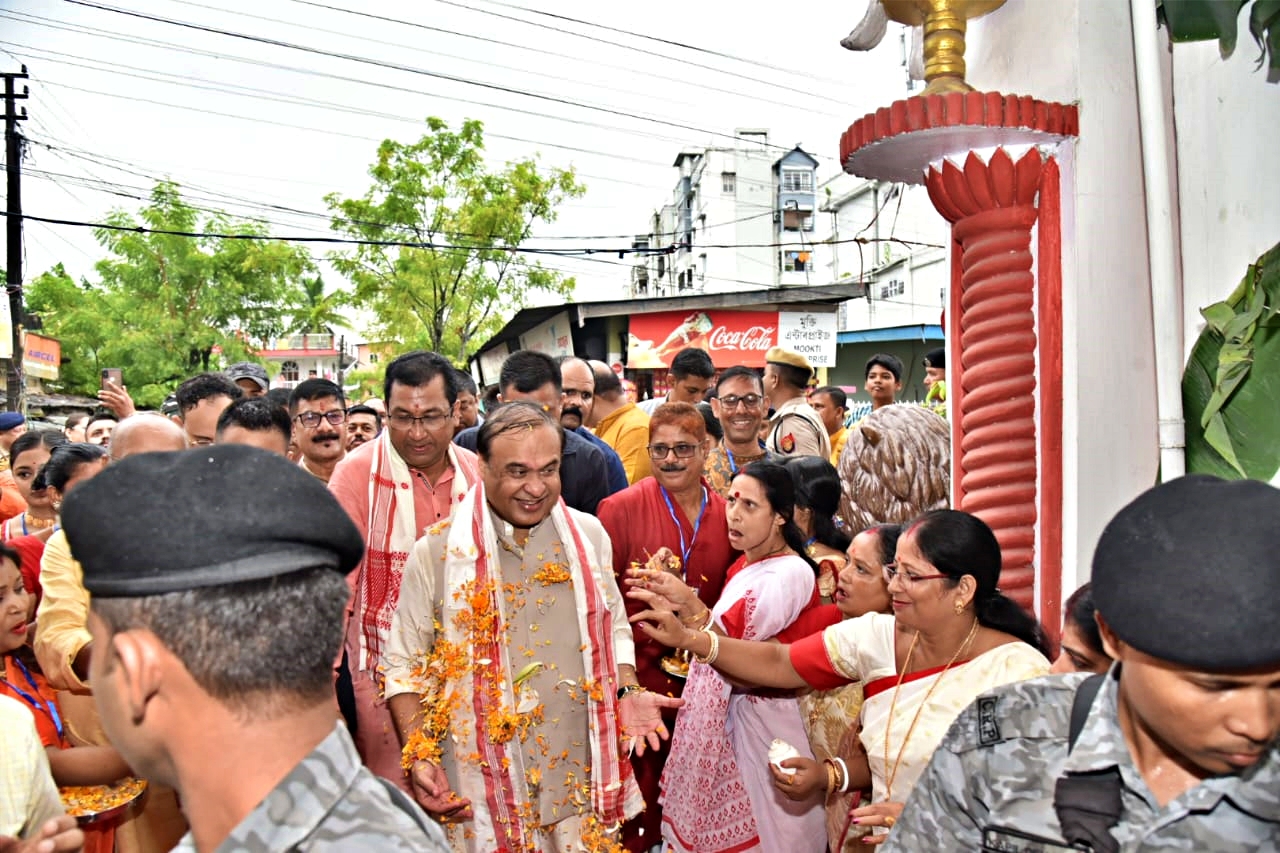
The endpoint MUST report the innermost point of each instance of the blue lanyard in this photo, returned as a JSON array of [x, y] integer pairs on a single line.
[[685, 550], [733, 463], [48, 707], [24, 527]]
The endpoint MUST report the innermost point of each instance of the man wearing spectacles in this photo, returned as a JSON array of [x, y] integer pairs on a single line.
[[318, 409], [395, 487], [677, 510], [740, 406], [578, 383]]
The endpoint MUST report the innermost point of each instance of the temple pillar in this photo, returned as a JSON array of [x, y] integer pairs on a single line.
[[990, 164]]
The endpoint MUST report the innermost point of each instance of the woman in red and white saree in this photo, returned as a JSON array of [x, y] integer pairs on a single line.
[[717, 793], [953, 636]]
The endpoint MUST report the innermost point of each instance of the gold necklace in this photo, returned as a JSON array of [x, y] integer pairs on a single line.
[[893, 704], [34, 523]]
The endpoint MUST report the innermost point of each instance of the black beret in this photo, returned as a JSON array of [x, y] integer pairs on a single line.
[[1188, 573], [167, 522], [936, 358]]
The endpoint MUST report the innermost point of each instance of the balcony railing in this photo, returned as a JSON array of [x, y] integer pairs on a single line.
[[311, 340]]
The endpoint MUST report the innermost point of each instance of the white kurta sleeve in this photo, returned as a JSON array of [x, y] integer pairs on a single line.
[[413, 627]]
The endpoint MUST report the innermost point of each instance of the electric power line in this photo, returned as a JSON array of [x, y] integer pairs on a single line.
[[224, 198], [298, 101], [629, 68], [526, 71], [239, 199], [437, 75], [425, 244], [634, 48], [748, 61]]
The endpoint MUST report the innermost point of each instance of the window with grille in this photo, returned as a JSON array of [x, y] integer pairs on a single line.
[[797, 181]]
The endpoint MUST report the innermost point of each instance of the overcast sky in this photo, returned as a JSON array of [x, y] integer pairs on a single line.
[[124, 100]]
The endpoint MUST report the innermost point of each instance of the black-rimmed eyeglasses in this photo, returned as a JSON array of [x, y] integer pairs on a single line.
[[311, 420]]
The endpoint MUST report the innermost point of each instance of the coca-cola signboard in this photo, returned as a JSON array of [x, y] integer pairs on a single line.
[[731, 337]]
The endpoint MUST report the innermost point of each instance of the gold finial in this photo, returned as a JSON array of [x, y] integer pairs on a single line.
[[944, 25]]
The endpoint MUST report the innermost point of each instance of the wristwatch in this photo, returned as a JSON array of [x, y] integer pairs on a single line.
[[628, 689]]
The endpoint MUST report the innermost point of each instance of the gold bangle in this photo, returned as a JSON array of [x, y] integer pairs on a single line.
[[843, 774], [835, 778], [704, 617]]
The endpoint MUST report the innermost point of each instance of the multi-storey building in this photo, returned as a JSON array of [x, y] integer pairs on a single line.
[[889, 237], [739, 216]]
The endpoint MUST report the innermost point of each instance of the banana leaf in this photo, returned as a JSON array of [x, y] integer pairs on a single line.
[[1264, 26], [1202, 20], [1205, 20], [1231, 385]]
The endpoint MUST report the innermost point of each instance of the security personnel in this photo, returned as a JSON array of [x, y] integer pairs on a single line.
[[796, 428], [216, 615], [1176, 747]]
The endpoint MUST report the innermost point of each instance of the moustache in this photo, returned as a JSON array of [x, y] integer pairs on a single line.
[[671, 469], [571, 410], [326, 436]]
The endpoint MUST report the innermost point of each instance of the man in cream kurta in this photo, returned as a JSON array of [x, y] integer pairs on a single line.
[[509, 668]]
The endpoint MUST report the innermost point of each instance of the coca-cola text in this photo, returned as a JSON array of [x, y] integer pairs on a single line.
[[755, 338]]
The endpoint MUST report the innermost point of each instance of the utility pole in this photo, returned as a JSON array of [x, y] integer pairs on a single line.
[[13, 222]]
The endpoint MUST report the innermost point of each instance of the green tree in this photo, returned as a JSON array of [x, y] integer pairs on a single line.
[[317, 310], [451, 295], [164, 307]]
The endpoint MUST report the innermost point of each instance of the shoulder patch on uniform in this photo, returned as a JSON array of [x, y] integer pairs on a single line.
[[787, 444], [988, 724]]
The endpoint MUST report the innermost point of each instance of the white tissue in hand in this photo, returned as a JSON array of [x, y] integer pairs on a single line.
[[780, 751]]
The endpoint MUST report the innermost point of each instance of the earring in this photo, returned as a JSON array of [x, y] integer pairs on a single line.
[[959, 607]]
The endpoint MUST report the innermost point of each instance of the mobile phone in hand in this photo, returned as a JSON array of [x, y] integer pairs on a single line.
[[113, 375]]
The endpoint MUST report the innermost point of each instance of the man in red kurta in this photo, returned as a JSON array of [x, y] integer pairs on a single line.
[[676, 509]]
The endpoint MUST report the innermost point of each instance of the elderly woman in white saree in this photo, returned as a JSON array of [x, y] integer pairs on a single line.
[[953, 636]]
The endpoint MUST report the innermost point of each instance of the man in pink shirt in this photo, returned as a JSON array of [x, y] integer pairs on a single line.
[[394, 487]]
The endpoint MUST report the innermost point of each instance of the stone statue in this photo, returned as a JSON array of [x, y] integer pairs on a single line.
[[896, 465]]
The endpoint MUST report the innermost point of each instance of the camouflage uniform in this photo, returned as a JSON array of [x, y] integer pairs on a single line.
[[997, 768], [330, 802]]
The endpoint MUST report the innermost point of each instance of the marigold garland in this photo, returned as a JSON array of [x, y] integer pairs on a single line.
[[450, 662], [552, 573]]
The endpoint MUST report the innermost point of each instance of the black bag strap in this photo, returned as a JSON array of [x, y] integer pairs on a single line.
[[1085, 694], [1088, 805]]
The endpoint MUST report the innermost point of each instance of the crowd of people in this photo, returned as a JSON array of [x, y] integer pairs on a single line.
[[549, 617]]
